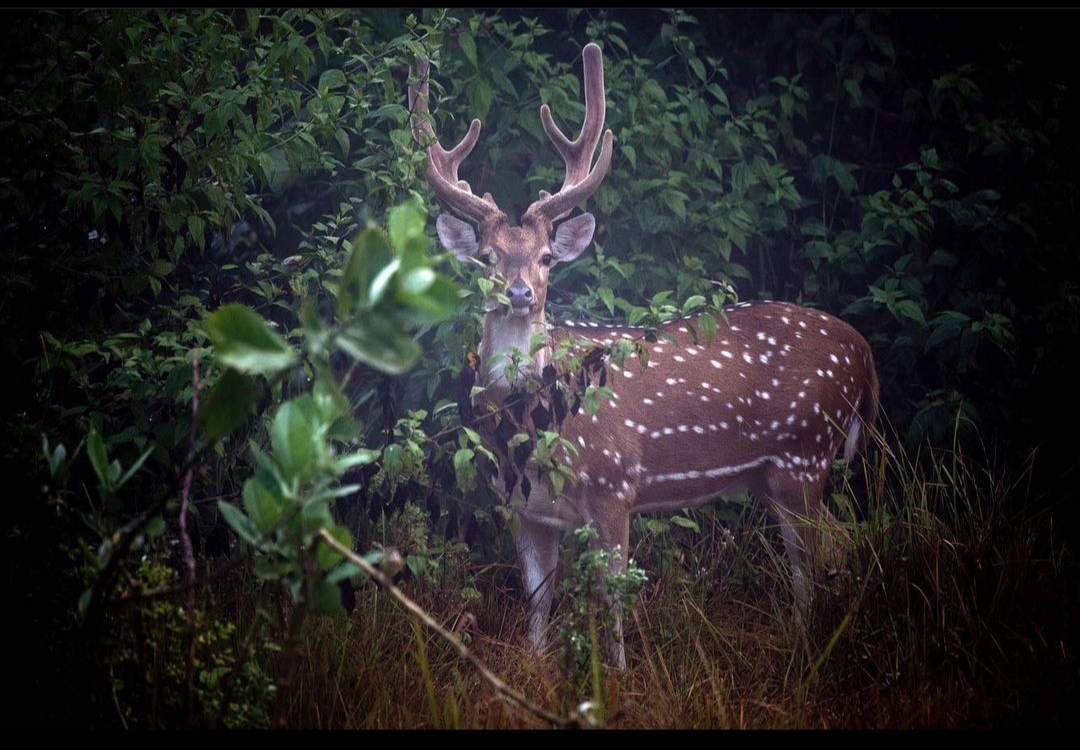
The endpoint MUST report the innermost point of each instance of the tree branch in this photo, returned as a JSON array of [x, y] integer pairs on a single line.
[[500, 687]]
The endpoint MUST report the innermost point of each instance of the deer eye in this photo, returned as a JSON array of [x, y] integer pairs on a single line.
[[487, 257], [546, 259]]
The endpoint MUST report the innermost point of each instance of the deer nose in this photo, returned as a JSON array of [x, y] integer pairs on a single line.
[[520, 295]]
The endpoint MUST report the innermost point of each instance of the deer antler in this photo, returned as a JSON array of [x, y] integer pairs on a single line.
[[580, 182], [442, 171]]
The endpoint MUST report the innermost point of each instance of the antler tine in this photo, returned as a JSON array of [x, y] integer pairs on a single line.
[[442, 171], [579, 182]]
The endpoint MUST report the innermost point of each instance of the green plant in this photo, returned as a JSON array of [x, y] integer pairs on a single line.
[[599, 598], [147, 662]]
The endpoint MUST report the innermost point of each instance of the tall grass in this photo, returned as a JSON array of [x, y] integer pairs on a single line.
[[958, 608]]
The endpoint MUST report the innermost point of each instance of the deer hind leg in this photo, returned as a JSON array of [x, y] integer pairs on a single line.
[[813, 538], [538, 551]]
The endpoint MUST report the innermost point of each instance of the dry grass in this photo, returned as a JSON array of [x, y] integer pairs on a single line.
[[959, 609]]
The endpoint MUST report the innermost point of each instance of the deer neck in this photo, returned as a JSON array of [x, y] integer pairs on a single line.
[[503, 334]]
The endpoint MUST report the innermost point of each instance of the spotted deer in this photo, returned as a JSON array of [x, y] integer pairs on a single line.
[[764, 407]]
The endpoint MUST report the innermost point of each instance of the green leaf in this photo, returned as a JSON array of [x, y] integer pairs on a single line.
[[719, 93], [95, 448], [675, 200], [698, 68], [332, 79], [382, 281], [369, 255], [465, 469], [607, 297], [233, 398], [263, 507], [379, 343], [342, 139], [944, 332], [55, 458], [558, 481], [686, 523], [657, 525], [416, 564], [478, 94], [692, 303], [133, 468], [395, 112], [707, 321], [274, 569], [825, 166], [295, 439], [855, 92], [155, 527], [242, 340], [468, 46], [344, 571], [326, 557], [405, 225], [473, 435], [909, 226], [909, 309], [197, 229], [239, 523], [943, 258], [325, 597], [947, 325], [814, 227], [340, 465]]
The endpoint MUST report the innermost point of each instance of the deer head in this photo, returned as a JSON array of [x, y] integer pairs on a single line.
[[522, 255]]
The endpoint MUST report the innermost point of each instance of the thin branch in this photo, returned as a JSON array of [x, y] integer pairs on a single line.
[[292, 640], [189, 553], [116, 699], [126, 535], [500, 687]]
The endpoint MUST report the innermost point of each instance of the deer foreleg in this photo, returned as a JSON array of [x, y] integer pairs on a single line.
[[538, 551]]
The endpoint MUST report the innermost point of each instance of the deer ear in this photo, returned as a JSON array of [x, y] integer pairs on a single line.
[[572, 237], [456, 236]]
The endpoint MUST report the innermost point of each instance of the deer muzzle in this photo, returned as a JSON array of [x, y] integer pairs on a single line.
[[521, 297]]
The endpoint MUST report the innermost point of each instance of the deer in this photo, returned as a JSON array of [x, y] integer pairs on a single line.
[[765, 407]]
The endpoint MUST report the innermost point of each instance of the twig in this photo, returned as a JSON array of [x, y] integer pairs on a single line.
[[348, 376], [292, 642], [125, 536], [189, 553], [116, 699], [500, 687]]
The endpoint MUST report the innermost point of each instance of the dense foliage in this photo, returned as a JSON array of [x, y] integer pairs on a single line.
[[229, 326]]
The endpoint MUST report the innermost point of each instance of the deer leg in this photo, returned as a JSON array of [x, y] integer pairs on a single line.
[[793, 546], [613, 536], [813, 538], [538, 550]]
